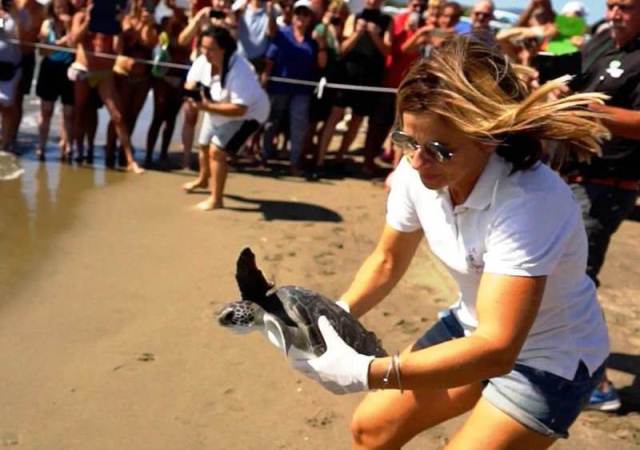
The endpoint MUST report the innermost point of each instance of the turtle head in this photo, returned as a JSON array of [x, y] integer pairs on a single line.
[[242, 316]]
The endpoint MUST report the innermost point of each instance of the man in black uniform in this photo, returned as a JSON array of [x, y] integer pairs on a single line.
[[607, 187]]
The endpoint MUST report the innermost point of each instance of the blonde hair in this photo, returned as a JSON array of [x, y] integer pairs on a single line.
[[479, 92], [339, 6]]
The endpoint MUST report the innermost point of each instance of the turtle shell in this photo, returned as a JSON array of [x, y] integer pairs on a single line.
[[305, 307]]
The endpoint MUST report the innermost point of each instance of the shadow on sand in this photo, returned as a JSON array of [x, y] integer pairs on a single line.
[[635, 215], [629, 395], [283, 210]]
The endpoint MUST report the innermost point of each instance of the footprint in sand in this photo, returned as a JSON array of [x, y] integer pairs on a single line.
[[322, 419]]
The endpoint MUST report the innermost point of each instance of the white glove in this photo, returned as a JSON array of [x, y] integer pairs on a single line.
[[340, 369]]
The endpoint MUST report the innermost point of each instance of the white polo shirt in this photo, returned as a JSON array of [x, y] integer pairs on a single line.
[[200, 71], [241, 88], [525, 224]]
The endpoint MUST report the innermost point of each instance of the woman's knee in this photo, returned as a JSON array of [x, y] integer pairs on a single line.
[[190, 115], [117, 118], [217, 154], [370, 428]]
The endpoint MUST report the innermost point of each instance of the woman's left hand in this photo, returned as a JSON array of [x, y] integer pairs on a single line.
[[340, 369]]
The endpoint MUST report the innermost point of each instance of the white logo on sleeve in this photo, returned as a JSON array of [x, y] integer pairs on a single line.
[[615, 69]]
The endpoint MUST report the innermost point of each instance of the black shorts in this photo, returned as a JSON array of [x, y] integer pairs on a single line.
[[241, 136], [28, 66], [362, 103], [53, 82], [384, 112]]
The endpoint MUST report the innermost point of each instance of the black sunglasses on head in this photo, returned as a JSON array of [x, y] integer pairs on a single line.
[[410, 147]]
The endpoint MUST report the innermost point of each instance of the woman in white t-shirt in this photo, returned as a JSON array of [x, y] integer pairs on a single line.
[[525, 343], [235, 106]]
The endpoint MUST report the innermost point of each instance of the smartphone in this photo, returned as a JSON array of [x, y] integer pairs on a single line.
[[104, 14], [369, 15], [214, 14]]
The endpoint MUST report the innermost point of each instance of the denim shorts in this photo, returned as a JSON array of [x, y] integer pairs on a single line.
[[539, 400]]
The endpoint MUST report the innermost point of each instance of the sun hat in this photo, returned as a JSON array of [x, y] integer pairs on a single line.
[[574, 8], [302, 4]]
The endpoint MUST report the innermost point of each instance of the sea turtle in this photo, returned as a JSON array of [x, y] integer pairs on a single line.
[[288, 315]]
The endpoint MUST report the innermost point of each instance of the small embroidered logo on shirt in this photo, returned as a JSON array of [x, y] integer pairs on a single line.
[[615, 69], [473, 262]]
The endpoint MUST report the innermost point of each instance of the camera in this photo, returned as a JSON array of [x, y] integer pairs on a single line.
[[550, 66], [369, 15], [199, 93], [215, 14], [194, 94], [335, 21]]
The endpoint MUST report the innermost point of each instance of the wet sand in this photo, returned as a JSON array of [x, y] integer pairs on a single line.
[[109, 283]]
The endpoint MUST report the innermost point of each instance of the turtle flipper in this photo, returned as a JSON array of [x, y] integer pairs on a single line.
[[251, 281]]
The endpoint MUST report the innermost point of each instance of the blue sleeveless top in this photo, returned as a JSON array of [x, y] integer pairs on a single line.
[[57, 56]]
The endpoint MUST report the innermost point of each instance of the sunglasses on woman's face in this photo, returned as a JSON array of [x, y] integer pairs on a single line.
[[410, 147]]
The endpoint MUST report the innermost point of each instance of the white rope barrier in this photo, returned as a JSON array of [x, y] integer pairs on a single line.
[[320, 85], [59, 48]]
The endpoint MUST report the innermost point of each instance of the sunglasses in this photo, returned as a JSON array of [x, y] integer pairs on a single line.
[[482, 15], [302, 12], [410, 147]]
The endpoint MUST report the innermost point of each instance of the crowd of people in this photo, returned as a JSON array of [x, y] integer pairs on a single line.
[[303, 40]]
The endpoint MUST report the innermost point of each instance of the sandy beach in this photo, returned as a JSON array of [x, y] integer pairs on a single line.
[[109, 283]]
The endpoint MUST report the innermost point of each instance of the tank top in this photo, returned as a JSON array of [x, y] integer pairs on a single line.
[[57, 56], [365, 61]]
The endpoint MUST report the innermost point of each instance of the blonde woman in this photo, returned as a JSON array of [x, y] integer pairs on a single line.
[[525, 342]]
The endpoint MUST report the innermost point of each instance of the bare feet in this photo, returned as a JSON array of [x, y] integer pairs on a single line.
[[65, 154], [135, 168], [209, 204], [193, 185]]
